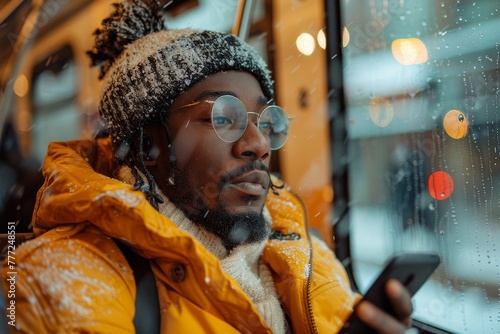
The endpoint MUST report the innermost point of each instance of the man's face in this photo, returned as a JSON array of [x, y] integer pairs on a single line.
[[215, 180]]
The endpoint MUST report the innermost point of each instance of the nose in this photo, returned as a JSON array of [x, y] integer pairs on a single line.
[[253, 145]]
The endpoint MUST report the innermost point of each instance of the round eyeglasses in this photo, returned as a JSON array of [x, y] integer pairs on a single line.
[[230, 120]]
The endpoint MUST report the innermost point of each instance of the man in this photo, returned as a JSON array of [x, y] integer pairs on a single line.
[[183, 181]]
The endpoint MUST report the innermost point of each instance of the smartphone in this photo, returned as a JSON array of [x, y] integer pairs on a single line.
[[412, 270]]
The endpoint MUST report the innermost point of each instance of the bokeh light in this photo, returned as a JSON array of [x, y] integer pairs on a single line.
[[381, 111], [409, 51], [321, 38], [455, 124], [21, 86], [440, 185], [305, 43], [345, 37]]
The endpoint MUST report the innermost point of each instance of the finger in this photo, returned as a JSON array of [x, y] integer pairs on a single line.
[[401, 301], [378, 320]]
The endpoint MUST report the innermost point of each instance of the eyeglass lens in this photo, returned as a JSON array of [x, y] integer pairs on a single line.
[[230, 120]]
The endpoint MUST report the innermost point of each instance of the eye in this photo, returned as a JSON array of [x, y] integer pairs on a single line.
[[222, 120], [266, 121], [265, 125]]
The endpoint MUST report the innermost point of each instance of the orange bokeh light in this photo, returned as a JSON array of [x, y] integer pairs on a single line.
[[455, 124], [409, 51]]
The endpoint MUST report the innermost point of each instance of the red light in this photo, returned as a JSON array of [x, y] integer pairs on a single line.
[[440, 185]]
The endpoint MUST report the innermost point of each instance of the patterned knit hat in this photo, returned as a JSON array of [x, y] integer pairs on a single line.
[[145, 67]]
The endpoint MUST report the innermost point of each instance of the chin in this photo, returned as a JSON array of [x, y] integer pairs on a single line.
[[235, 224]]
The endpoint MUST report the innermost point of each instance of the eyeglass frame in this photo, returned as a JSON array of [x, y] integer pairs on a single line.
[[289, 118]]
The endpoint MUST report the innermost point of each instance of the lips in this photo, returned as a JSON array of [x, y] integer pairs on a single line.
[[253, 183]]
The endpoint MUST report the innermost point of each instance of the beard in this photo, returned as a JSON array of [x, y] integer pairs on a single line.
[[233, 229]]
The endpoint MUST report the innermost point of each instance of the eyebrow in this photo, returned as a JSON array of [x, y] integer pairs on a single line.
[[213, 94], [261, 100]]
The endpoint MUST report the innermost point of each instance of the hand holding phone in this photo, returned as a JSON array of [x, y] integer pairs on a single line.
[[412, 270]]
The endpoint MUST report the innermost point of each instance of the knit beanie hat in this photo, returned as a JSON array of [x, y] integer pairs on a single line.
[[145, 66]]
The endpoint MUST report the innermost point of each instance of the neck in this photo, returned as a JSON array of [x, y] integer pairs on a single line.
[[212, 242]]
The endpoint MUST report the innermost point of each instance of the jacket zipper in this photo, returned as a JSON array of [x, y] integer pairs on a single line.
[[312, 322]]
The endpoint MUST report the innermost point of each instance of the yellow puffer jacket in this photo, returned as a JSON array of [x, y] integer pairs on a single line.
[[74, 278]]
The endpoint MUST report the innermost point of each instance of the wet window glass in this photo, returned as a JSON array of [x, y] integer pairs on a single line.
[[421, 82]]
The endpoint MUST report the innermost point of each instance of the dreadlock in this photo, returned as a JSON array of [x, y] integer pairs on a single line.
[[275, 188], [135, 161]]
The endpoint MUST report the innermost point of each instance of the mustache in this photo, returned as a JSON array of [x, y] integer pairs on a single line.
[[250, 166]]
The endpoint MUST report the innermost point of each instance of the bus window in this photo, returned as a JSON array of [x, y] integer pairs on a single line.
[[421, 82], [55, 111]]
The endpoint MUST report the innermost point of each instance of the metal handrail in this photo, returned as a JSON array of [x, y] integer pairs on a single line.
[[243, 19]]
